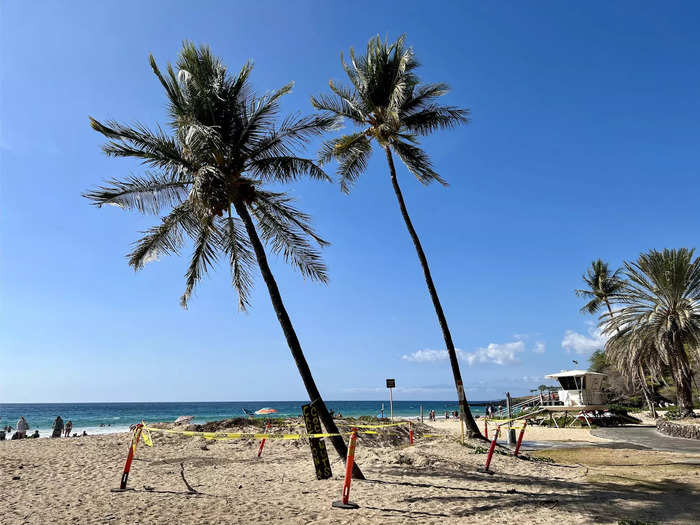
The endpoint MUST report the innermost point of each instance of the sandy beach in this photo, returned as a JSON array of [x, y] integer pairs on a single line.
[[532, 433], [69, 480]]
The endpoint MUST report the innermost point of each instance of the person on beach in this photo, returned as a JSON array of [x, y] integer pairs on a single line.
[[57, 427], [35, 435], [69, 427], [22, 427]]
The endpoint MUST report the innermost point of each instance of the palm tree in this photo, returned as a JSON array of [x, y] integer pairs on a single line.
[[209, 174], [603, 286], [390, 107], [660, 312]]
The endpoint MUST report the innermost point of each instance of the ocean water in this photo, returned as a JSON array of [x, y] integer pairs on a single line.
[[104, 418]]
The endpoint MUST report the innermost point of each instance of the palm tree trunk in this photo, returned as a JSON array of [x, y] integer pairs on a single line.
[[643, 380], [682, 376], [291, 336], [472, 428]]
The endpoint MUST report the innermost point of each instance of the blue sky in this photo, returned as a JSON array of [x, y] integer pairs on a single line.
[[583, 144]]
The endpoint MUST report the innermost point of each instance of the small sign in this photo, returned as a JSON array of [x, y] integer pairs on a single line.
[[391, 383], [318, 446]]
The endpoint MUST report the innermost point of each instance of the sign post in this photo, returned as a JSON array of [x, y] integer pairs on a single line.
[[391, 384]]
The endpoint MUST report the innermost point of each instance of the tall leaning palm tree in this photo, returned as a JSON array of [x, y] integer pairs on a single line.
[[633, 358], [208, 176], [393, 110], [660, 306]]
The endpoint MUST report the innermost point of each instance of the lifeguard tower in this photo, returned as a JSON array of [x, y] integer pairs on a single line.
[[581, 394], [580, 388]]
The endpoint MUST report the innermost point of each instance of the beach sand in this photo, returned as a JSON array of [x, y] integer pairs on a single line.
[[434, 481], [532, 433]]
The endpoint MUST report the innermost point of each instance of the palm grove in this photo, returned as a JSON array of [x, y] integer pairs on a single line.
[[208, 169], [651, 319]]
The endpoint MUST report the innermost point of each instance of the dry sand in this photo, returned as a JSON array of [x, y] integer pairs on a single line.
[[532, 433], [435, 481]]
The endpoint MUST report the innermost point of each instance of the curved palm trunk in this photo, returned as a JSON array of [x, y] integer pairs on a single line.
[[472, 428], [642, 376], [682, 376], [291, 336]]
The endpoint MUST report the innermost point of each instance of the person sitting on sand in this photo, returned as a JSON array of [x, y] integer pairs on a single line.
[[69, 427], [35, 435], [84, 433], [22, 427], [57, 427]]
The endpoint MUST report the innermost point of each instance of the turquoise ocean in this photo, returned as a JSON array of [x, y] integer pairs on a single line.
[[103, 418]]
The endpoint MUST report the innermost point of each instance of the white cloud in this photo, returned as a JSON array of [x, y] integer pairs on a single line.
[[583, 344], [500, 354], [424, 356], [539, 347]]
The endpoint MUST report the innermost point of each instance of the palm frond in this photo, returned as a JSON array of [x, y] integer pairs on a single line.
[[153, 148], [234, 242], [337, 106], [352, 153], [285, 169], [293, 134], [435, 117], [163, 239], [146, 194], [422, 95], [287, 238], [417, 162], [203, 258]]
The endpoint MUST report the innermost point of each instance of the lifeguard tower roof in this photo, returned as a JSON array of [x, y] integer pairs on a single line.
[[573, 373]]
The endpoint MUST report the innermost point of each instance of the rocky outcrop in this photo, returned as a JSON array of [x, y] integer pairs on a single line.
[[688, 431]]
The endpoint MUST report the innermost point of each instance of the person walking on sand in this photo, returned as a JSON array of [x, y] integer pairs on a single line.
[[69, 427], [22, 427], [57, 427]]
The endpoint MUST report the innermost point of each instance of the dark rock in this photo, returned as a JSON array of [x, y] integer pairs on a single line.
[[687, 431]]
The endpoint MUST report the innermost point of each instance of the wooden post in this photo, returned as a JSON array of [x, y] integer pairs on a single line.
[[421, 413], [511, 431]]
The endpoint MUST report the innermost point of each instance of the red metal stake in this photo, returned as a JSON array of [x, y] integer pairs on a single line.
[[132, 450], [410, 434], [520, 439], [492, 448], [486, 427], [345, 503], [262, 443]]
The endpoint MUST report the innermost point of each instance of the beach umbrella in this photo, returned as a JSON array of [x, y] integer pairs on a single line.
[[265, 411]]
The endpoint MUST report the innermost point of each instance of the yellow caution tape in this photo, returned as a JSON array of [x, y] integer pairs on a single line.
[[145, 433], [378, 426], [146, 437]]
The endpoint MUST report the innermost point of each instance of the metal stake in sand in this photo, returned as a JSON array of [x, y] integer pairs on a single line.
[[410, 433], [129, 458], [345, 503], [486, 427], [520, 439], [262, 443]]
